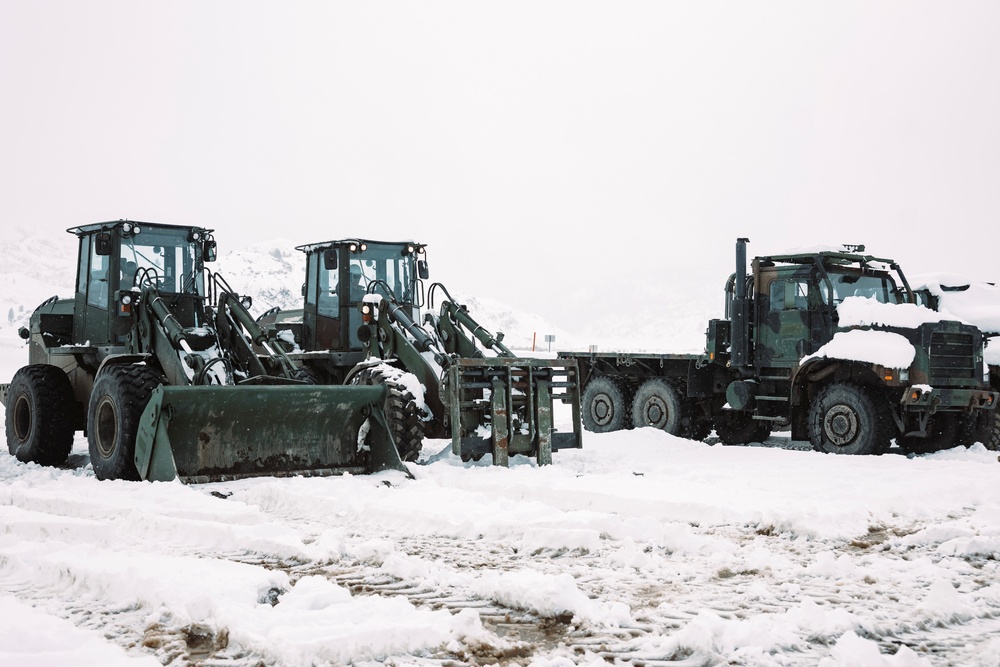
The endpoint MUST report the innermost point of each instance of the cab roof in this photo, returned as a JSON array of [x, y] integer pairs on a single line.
[[323, 245], [83, 230]]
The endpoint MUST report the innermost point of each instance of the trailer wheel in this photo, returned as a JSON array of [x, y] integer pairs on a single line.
[[739, 428], [119, 396], [40, 415], [605, 407], [846, 419], [401, 410], [658, 403]]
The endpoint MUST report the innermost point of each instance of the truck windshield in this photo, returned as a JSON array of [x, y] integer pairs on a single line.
[[882, 288], [164, 257], [385, 266]]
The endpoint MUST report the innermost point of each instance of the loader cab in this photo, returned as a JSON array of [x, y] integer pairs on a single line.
[[117, 258], [338, 276]]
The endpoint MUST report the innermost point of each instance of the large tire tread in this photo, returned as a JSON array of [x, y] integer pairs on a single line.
[[128, 388], [41, 415], [404, 417], [988, 432], [606, 405], [872, 421]]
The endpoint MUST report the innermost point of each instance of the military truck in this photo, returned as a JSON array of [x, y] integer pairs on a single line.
[[787, 356], [154, 359], [360, 324]]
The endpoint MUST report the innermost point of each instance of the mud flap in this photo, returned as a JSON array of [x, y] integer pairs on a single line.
[[208, 434]]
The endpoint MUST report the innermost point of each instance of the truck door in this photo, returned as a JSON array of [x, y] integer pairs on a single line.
[[784, 334]]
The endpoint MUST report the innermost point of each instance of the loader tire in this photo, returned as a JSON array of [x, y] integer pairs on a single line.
[[740, 428], [40, 415], [605, 406], [119, 396], [845, 418], [402, 413]]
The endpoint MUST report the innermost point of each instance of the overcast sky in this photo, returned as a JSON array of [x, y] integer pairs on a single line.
[[553, 155]]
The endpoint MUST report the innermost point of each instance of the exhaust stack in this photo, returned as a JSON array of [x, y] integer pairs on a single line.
[[740, 332]]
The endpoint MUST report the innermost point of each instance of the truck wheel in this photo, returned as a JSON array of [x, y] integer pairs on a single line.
[[658, 403], [605, 407], [401, 411], [40, 410], [119, 396], [739, 428], [846, 419], [988, 430]]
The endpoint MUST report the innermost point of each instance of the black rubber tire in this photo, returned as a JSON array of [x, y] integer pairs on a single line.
[[659, 404], [945, 430], [605, 406], [40, 414], [119, 396], [736, 427], [845, 418], [401, 412], [988, 430]]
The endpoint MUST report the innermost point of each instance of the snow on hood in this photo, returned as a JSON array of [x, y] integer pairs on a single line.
[[962, 298], [858, 311], [874, 347]]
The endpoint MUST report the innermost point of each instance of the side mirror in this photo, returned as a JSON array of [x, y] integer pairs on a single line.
[[210, 253], [330, 259], [422, 269], [102, 243]]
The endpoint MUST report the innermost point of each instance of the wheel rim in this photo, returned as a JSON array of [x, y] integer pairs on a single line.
[[106, 428], [602, 409], [22, 418], [655, 412], [841, 425]]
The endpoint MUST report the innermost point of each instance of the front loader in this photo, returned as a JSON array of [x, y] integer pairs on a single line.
[[159, 361], [360, 324]]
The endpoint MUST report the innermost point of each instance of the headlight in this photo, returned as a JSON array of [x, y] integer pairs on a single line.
[[126, 299]]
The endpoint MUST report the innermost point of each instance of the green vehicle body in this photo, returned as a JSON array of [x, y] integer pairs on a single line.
[[361, 313], [756, 373], [154, 359]]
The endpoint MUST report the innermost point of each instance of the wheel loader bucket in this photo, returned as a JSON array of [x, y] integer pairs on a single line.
[[217, 433]]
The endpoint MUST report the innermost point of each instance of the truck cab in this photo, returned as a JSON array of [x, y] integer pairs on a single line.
[[791, 312]]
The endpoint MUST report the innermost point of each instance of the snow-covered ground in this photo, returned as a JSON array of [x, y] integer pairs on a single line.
[[641, 548]]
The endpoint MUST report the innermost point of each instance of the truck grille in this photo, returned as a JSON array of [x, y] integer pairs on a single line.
[[952, 357]]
